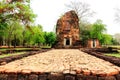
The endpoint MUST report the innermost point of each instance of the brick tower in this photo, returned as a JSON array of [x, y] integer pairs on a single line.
[[67, 31]]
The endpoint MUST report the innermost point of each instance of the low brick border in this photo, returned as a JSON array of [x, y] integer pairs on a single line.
[[14, 50], [16, 57], [54, 76], [101, 55]]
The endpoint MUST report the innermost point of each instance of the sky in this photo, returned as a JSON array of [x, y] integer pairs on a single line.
[[49, 11]]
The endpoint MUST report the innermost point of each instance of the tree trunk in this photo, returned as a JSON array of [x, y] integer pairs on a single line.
[[14, 41], [9, 41], [1, 41]]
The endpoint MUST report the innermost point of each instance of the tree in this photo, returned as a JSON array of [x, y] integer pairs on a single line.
[[12, 31], [114, 41], [85, 29], [35, 37], [19, 9], [117, 37], [3, 25], [82, 9], [38, 37], [27, 35], [98, 28], [50, 38], [15, 10], [106, 39], [18, 29], [95, 30]]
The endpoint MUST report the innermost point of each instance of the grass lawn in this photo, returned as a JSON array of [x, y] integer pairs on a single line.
[[26, 48], [119, 51], [3, 49], [114, 46], [11, 54], [114, 54], [47, 47]]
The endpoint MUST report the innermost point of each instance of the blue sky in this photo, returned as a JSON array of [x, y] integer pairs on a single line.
[[49, 11]]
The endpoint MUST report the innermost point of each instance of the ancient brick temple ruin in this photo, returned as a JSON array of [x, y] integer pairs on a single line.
[[93, 43], [68, 31]]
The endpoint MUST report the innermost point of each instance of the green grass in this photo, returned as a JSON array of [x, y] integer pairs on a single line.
[[11, 54], [47, 47], [114, 54], [23, 48], [3, 49], [118, 51], [114, 46]]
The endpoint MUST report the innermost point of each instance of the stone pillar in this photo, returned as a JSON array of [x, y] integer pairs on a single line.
[[70, 41], [64, 42]]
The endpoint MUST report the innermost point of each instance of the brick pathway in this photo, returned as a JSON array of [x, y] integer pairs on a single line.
[[71, 61]]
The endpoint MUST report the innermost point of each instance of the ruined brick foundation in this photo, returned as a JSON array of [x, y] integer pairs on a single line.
[[55, 76]]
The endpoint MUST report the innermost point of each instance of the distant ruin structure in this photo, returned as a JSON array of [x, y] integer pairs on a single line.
[[93, 43], [68, 31]]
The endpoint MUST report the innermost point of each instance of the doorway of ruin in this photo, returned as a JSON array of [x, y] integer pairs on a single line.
[[94, 43], [67, 41]]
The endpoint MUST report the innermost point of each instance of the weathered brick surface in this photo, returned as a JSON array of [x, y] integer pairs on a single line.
[[68, 64], [22, 77], [33, 77], [98, 54], [86, 72], [107, 78], [69, 77], [90, 43], [26, 71], [3, 76], [84, 77], [42, 77], [67, 28], [55, 76], [118, 77], [12, 77], [5, 60]]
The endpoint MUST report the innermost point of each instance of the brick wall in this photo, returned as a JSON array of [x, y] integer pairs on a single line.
[[90, 43], [67, 28], [54, 76]]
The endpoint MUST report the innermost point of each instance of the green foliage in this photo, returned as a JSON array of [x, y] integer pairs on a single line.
[[16, 10], [85, 29], [27, 36], [14, 15], [38, 35], [117, 38], [34, 38], [106, 39], [115, 42], [50, 38], [98, 28]]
